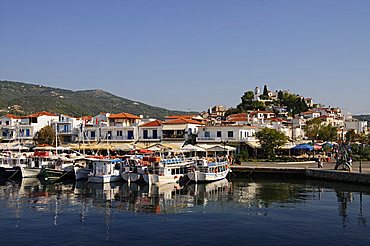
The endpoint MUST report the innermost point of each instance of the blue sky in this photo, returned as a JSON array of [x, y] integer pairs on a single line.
[[193, 54]]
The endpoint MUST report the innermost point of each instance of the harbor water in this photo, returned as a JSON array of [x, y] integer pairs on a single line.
[[235, 212]]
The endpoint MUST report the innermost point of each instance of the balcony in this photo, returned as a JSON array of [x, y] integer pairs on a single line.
[[150, 139], [229, 139], [63, 132]]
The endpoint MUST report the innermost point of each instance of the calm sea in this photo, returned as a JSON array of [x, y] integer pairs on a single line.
[[236, 212]]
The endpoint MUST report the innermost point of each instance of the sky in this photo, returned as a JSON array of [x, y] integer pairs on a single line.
[[191, 54]]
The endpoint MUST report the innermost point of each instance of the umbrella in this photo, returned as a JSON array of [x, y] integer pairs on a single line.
[[303, 147]]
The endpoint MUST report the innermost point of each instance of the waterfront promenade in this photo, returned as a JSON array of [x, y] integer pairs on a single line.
[[306, 164], [306, 169]]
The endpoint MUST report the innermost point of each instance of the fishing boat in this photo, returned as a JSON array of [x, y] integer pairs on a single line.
[[18, 166], [208, 170], [136, 168], [105, 171], [57, 168], [83, 167], [169, 170]]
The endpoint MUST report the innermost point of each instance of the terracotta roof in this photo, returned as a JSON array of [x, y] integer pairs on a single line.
[[238, 119], [123, 116], [12, 116], [180, 116], [277, 119], [238, 115], [152, 123], [86, 117], [38, 114], [182, 121]]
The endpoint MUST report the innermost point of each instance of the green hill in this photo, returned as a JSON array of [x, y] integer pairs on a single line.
[[22, 98]]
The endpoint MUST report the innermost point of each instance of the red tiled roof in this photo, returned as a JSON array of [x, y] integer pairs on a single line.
[[238, 119], [12, 116], [38, 114], [182, 121], [277, 119], [153, 123], [123, 116], [238, 115], [86, 117], [180, 116]]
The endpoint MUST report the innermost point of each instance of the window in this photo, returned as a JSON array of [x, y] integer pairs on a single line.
[[219, 134], [130, 134], [207, 134], [155, 134], [27, 132], [119, 133], [145, 134], [230, 134], [92, 134], [109, 136], [7, 123]]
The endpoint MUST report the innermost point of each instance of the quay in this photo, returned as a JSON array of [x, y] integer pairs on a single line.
[[306, 169]]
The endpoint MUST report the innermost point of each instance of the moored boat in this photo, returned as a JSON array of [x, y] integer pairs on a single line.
[[135, 169], [169, 170], [57, 168], [105, 171], [208, 170]]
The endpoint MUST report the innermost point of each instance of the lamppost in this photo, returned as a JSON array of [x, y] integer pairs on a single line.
[[224, 142], [361, 148]]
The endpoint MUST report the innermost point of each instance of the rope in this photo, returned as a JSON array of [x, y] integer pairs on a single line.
[[14, 174], [88, 181], [64, 174]]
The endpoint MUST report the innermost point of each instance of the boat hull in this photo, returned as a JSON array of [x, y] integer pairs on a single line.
[[164, 179], [53, 174], [82, 173], [104, 178], [10, 172], [199, 177], [30, 172]]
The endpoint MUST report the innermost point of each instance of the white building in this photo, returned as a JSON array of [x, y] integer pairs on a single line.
[[222, 133]]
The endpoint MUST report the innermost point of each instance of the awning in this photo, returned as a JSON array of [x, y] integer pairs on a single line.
[[45, 148], [191, 147], [122, 146], [9, 146], [216, 147], [254, 145], [173, 127], [173, 145]]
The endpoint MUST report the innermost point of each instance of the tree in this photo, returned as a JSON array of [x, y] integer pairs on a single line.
[[351, 136], [231, 111], [46, 135], [328, 133], [270, 139], [312, 128], [315, 129], [265, 91], [248, 102]]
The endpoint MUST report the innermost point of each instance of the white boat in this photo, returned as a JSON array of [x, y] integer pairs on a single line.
[[134, 170], [105, 171], [169, 170], [208, 170], [18, 166], [82, 168]]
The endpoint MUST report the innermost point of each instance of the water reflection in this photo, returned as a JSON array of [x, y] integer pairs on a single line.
[[256, 197]]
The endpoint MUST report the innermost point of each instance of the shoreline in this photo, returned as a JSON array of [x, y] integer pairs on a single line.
[[306, 169]]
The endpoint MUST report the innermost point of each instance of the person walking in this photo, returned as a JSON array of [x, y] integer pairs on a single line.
[[319, 162]]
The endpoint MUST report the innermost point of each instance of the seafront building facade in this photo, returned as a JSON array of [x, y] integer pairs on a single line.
[[207, 129]]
